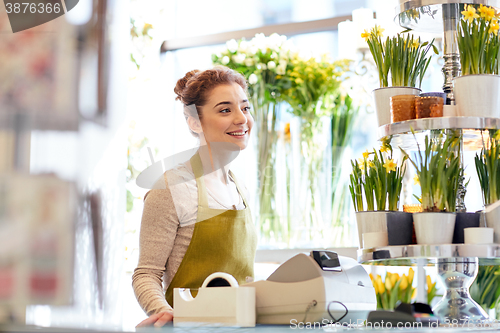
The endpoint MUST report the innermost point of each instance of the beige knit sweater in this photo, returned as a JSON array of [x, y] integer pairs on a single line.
[[167, 226]]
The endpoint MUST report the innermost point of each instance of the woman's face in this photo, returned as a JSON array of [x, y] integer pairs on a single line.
[[226, 116]]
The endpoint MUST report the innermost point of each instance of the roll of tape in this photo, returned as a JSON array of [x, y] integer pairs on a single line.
[[220, 275]]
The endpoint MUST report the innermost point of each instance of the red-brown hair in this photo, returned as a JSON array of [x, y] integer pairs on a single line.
[[195, 86]]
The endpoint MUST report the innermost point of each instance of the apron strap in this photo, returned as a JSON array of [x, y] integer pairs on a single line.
[[200, 181], [239, 189]]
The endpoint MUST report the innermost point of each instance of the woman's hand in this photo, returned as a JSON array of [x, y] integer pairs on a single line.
[[157, 320]]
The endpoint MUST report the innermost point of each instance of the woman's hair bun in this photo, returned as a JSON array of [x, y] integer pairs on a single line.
[[182, 84]]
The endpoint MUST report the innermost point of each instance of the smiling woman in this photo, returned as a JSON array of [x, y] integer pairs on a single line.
[[196, 220]]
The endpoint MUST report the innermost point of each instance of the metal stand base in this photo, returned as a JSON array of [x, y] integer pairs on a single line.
[[457, 306]]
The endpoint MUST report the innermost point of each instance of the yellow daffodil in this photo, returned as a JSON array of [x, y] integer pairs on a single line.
[[470, 13], [415, 44], [365, 35], [429, 283], [384, 148], [390, 165], [371, 276], [362, 164], [299, 80], [371, 164], [411, 273], [366, 154], [494, 28], [416, 181], [378, 30], [414, 294], [404, 282], [487, 12]]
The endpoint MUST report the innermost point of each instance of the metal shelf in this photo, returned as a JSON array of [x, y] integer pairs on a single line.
[[424, 254], [473, 129], [427, 15]]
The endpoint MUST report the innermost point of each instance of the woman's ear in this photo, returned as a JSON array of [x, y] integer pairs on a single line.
[[194, 124]]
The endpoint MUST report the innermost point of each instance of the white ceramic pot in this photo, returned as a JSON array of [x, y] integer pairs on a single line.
[[370, 222], [434, 228], [382, 97], [478, 95], [492, 214]]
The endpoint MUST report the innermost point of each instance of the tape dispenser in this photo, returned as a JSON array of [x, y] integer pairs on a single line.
[[220, 302]]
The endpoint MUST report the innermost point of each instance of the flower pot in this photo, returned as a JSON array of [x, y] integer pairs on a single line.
[[399, 228], [478, 95], [434, 228], [402, 108], [370, 222], [397, 225], [382, 97], [464, 220], [428, 106], [492, 213]]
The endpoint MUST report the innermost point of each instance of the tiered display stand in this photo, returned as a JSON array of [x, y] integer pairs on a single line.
[[457, 264]]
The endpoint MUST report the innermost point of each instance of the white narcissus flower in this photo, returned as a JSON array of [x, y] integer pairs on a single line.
[[253, 79], [239, 58], [281, 70], [271, 65], [261, 66], [243, 48], [253, 49], [249, 62], [225, 60], [259, 41], [283, 63], [232, 45]]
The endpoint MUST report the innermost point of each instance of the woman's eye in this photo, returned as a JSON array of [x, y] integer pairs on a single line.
[[225, 111], [247, 109]]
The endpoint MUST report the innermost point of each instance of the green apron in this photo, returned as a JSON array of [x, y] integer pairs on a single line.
[[223, 241]]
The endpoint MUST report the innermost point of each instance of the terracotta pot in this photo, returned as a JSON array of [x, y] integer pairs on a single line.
[[402, 108], [429, 107]]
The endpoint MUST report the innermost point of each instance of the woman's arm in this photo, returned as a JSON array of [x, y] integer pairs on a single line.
[[158, 231]]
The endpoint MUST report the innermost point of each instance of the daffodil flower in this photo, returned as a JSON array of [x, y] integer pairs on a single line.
[[378, 30], [362, 163], [470, 13], [384, 148], [390, 165], [487, 12], [494, 28], [365, 35], [366, 154], [416, 181]]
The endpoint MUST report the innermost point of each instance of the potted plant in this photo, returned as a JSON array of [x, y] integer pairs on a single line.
[[438, 170], [376, 180], [477, 90], [488, 171], [401, 62]]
